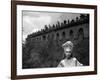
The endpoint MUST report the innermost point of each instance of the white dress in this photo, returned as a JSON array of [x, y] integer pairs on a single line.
[[69, 63]]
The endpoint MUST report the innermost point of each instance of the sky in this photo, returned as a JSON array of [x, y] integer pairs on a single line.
[[34, 21]]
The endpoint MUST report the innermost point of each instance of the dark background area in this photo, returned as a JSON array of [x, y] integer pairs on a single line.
[[49, 54]]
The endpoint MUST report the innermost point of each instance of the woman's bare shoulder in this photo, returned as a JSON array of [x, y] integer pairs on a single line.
[[61, 64]]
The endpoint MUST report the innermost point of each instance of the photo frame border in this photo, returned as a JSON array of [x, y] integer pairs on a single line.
[[14, 39]]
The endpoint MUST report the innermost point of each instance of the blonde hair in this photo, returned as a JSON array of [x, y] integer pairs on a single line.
[[67, 43]]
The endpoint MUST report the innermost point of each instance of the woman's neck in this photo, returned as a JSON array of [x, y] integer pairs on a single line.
[[69, 56]]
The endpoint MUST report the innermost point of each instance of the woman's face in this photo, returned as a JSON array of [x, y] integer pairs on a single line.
[[68, 50]]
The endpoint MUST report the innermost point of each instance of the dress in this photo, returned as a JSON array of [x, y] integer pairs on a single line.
[[69, 63]]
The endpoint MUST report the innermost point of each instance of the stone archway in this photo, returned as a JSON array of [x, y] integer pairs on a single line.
[[71, 35], [80, 34]]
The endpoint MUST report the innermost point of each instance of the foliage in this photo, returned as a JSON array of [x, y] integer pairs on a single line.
[[41, 54]]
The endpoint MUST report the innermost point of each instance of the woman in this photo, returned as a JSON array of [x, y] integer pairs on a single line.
[[69, 60]]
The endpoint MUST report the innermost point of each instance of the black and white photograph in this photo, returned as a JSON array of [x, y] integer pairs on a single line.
[[52, 39]]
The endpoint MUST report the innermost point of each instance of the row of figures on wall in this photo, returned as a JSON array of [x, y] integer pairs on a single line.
[[75, 30], [66, 23]]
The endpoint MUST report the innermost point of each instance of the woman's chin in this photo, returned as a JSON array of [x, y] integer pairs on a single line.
[[68, 55]]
